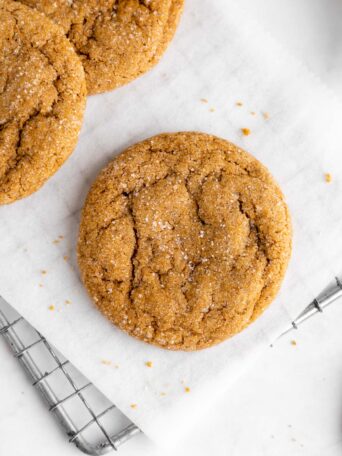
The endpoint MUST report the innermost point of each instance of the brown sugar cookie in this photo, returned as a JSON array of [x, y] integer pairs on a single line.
[[117, 40], [42, 100], [184, 240]]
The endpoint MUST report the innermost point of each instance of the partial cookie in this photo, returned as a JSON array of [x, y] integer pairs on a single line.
[[184, 240], [42, 100], [117, 40]]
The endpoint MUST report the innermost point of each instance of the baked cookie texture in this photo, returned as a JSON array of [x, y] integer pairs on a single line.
[[184, 240], [42, 100], [117, 40]]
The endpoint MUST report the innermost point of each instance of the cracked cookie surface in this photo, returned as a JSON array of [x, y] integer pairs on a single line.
[[42, 100], [117, 40], [184, 240]]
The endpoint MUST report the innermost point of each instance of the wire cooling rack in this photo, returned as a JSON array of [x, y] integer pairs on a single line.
[[90, 420]]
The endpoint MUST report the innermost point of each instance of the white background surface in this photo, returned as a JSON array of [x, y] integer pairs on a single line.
[[291, 403]]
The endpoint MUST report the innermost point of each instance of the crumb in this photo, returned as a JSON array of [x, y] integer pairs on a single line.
[[293, 342], [43, 272], [162, 394], [134, 406], [56, 241], [246, 131], [204, 100], [61, 237], [52, 307], [187, 389], [212, 110], [328, 177], [116, 366], [40, 285], [106, 362], [265, 115], [239, 103], [66, 258], [67, 301], [252, 113], [148, 364]]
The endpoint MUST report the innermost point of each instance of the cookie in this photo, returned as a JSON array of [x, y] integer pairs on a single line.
[[117, 40], [184, 240], [42, 100]]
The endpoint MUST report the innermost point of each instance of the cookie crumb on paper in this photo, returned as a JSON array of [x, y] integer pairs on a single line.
[[246, 131], [328, 177]]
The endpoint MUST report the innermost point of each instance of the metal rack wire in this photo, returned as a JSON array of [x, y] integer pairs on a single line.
[[91, 421]]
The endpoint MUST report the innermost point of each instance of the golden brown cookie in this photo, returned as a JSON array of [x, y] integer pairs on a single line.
[[184, 240], [42, 100], [117, 40]]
